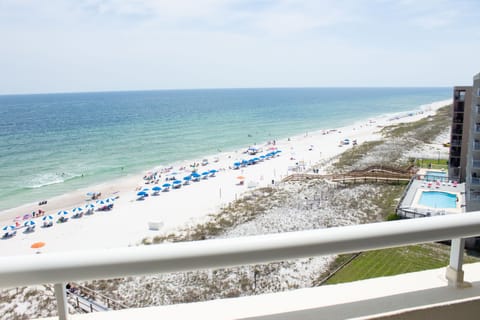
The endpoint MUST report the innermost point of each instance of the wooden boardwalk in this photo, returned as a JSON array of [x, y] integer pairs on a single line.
[[375, 174], [87, 300]]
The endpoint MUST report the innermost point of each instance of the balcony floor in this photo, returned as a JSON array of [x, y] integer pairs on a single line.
[[425, 290]]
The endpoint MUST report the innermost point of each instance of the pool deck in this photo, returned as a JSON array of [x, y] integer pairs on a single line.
[[410, 208]]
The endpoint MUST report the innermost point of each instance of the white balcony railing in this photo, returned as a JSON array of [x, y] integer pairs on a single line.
[[59, 268]]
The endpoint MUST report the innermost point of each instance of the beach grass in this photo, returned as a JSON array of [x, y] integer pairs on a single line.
[[353, 155], [425, 130], [393, 261], [239, 211]]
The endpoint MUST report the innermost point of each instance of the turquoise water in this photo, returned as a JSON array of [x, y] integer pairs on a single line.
[[438, 199], [54, 143]]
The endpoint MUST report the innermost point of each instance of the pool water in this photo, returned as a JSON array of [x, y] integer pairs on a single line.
[[438, 199], [435, 175]]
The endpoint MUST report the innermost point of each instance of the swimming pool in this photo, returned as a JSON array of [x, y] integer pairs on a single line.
[[438, 199], [436, 175]]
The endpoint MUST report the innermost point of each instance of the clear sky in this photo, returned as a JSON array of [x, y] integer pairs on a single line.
[[102, 45]]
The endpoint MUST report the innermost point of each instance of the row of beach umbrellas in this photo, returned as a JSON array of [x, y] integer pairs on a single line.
[[195, 176], [48, 220], [243, 163]]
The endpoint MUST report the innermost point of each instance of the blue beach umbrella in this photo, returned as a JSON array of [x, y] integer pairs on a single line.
[[48, 218], [142, 194], [63, 213], [187, 178], [195, 176], [156, 188], [9, 228], [89, 206], [166, 185], [77, 210], [177, 182], [213, 171], [29, 223]]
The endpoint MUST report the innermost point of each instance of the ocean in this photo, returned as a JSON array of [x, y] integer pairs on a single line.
[[54, 143]]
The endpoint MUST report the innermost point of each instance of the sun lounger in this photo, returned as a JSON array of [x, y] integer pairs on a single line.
[[9, 234]]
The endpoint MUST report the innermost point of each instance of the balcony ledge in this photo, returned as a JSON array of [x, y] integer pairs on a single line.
[[379, 298]]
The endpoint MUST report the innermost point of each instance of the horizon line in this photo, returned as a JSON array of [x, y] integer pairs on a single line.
[[220, 88]]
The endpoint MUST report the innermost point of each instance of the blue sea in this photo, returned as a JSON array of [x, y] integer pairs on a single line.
[[54, 143]]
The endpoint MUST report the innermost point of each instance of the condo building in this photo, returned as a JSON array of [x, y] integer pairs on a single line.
[[460, 131], [472, 178]]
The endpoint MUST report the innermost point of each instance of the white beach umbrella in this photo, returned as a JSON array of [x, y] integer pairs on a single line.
[[77, 210], [48, 218], [29, 223], [89, 206], [8, 229], [63, 213]]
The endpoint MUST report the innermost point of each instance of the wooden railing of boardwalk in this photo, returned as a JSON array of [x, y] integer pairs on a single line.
[[87, 300], [383, 174]]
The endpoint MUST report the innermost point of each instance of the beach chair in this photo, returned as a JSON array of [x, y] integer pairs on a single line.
[[455, 183], [62, 220], [9, 234]]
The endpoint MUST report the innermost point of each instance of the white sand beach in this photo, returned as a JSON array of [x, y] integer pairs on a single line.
[[128, 222]]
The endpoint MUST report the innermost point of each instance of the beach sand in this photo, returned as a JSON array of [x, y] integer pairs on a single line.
[[128, 222]]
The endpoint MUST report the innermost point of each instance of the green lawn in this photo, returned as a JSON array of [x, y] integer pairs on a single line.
[[432, 163], [393, 261]]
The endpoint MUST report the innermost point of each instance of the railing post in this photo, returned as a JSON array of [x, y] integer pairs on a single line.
[[61, 296], [454, 272]]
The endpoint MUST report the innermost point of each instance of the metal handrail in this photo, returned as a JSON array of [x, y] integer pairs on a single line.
[[59, 268]]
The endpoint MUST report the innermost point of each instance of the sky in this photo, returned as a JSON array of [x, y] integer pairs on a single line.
[[110, 45]]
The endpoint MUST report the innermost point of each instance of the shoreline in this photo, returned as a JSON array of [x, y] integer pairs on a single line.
[[115, 228]]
